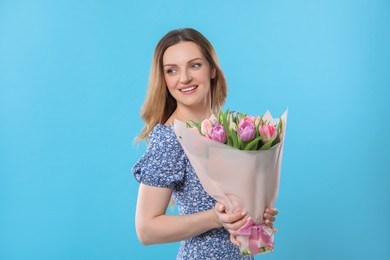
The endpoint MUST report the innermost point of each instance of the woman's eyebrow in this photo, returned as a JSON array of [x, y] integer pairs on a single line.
[[192, 60]]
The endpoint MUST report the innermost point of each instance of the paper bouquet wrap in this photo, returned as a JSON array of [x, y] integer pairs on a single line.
[[238, 179]]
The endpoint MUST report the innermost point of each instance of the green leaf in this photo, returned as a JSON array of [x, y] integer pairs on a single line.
[[235, 141], [276, 141], [225, 123], [280, 125], [253, 144], [257, 130], [267, 145], [229, 140], [190, 124], [240, 143], [219, 116]]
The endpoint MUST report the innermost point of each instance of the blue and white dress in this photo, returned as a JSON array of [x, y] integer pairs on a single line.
[[165, 164]]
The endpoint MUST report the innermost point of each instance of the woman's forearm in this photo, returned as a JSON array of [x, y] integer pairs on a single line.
[[172, 228], [154, 226]]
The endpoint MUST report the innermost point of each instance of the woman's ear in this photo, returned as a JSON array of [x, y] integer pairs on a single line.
[[213, 73]]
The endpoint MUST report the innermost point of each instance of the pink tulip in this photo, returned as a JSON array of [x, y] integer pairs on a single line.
[[205, 127], [250, 119], [218, 133], [246, 130], [269, 131]]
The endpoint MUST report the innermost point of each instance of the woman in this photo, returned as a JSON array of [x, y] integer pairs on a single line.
[[186, 83]]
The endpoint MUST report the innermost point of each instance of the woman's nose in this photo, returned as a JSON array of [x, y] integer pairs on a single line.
[[185, 77]]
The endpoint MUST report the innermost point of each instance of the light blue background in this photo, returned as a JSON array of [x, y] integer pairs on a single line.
[[73, 75]]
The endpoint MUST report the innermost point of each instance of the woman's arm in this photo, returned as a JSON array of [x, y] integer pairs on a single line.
[[154, 226]]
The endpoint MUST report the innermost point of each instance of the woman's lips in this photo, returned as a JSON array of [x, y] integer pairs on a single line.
[[188, 88]]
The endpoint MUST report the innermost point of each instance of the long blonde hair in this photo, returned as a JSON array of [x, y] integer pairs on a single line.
[[159, 103]]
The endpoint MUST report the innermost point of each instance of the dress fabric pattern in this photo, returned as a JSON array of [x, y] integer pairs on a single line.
[[165, 164]]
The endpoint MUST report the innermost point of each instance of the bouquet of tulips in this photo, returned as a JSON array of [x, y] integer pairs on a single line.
[[237, 158], [243, 132]]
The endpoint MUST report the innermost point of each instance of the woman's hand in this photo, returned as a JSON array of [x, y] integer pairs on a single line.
[[230, 221], [269, 217], [233, 221]]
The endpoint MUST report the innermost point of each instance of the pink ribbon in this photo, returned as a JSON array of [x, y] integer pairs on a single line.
[[255, 232]]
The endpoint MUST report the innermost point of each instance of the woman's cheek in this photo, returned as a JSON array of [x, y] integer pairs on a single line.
[[171, 81]]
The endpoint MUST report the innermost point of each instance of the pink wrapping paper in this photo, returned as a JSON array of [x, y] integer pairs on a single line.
[[238, 179]]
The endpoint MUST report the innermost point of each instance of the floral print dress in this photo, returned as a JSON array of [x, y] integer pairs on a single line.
[[165, 164]]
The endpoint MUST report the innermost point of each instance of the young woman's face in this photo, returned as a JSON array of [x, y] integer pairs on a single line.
[[187, 75]]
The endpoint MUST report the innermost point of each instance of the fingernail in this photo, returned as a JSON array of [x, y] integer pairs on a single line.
[[243, 213]]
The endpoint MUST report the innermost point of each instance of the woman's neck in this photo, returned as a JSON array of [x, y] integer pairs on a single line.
[[184, 113]]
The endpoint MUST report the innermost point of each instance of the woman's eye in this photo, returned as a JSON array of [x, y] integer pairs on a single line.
[[196, 66], [171, 71]]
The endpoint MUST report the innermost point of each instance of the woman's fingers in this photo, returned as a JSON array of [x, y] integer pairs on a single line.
[[269, 217], [234, 240], [220, 207], [228, 217], [230, 221], [235, 225], [271, 211], [233, 218], [269, 223]]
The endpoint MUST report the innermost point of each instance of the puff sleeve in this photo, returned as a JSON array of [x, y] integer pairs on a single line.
[[164, 162]]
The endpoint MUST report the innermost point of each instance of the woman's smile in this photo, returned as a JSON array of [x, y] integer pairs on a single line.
[[188, 89]]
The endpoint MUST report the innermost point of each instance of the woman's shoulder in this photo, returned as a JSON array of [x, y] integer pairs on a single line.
[[164, 162], [162, 133], [163, 139]]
